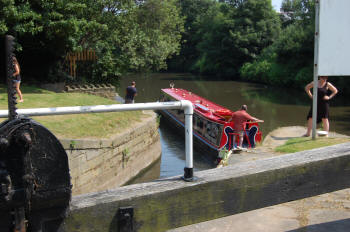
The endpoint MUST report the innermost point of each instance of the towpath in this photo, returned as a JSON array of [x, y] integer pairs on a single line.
[[324, 213]]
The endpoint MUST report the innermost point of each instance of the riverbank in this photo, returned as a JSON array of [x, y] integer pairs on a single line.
[[102, 164], [105, 150], [98, 125], [323, 213], [273, 140]]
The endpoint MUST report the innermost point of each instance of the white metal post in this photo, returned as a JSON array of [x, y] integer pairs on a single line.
[[315, 82], [184, 105], [188, 108]]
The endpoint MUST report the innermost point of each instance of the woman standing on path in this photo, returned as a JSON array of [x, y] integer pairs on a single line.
[[17, 78], [322, 102]]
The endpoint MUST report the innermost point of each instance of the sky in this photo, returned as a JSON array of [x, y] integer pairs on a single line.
[[277, 4]]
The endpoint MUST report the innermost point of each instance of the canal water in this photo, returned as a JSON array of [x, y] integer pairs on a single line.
[[278, 107]]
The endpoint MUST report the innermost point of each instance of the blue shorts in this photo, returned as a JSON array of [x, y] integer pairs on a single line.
[[17, 79]]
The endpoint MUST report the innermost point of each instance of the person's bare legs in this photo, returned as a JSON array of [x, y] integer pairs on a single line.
[[233, 142], [309, 127], [19, 91], [325, 123], [240, 139]]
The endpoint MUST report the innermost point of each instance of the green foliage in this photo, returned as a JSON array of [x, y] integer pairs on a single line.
[[303, 75], [191, 10], [162, 27], [288, 61], [221, 36], [126, 155], [223, 154], [72, 144], [126, 35]]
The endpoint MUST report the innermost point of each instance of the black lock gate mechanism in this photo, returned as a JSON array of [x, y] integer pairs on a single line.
[[35, 187]]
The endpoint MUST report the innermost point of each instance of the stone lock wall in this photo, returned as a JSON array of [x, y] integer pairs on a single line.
[[219, 192], [97, 165], [102, 90]]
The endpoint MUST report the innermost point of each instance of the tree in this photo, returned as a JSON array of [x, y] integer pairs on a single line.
[[288, 61], [237, 33], [116, 30], [161, 26], [191, 11], [45, 31]]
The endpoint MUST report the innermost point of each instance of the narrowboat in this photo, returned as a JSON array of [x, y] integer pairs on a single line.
[[212, 130]]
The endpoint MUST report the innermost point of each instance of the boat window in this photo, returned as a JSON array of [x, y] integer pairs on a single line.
[[162, 98], [210, 130], [201, 124]]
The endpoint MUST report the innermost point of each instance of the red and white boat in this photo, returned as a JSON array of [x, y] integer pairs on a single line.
[[211, 130]]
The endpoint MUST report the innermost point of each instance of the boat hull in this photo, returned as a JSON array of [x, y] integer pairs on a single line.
[[201, 146], [212, 128]]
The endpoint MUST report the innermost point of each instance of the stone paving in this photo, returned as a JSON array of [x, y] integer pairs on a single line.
[[328, 212]]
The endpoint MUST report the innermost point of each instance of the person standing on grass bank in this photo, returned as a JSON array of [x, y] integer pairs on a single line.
[[131, 92], [239, 118], [17, 78], [322, 103]]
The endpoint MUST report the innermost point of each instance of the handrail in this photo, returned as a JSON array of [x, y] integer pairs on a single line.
[[183, 104], [245, 134]]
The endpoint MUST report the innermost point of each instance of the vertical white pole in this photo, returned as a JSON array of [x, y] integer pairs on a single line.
[[189, 138], [188, 110], [315, 82]]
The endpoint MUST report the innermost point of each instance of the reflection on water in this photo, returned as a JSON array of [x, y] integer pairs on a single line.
[[173, 153], [173, 157], [278, 107]]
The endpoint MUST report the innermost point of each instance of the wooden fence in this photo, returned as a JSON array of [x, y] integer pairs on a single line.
[[73, 57]]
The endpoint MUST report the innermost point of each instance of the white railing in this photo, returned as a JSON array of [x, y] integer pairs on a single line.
[[183, 104]]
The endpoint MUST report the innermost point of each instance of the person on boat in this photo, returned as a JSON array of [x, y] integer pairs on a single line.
[[322, 103], [239, 119], [131, 92]]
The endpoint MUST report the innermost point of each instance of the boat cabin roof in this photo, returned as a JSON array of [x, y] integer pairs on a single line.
[[201, 105]]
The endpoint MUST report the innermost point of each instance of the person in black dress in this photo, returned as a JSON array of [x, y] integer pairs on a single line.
[[324, 87]]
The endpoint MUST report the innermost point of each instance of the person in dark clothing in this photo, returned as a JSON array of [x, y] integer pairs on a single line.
[[131, 92], [322, 103]]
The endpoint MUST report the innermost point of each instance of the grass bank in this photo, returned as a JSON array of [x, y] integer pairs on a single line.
[[302, 144], [97, 125]]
